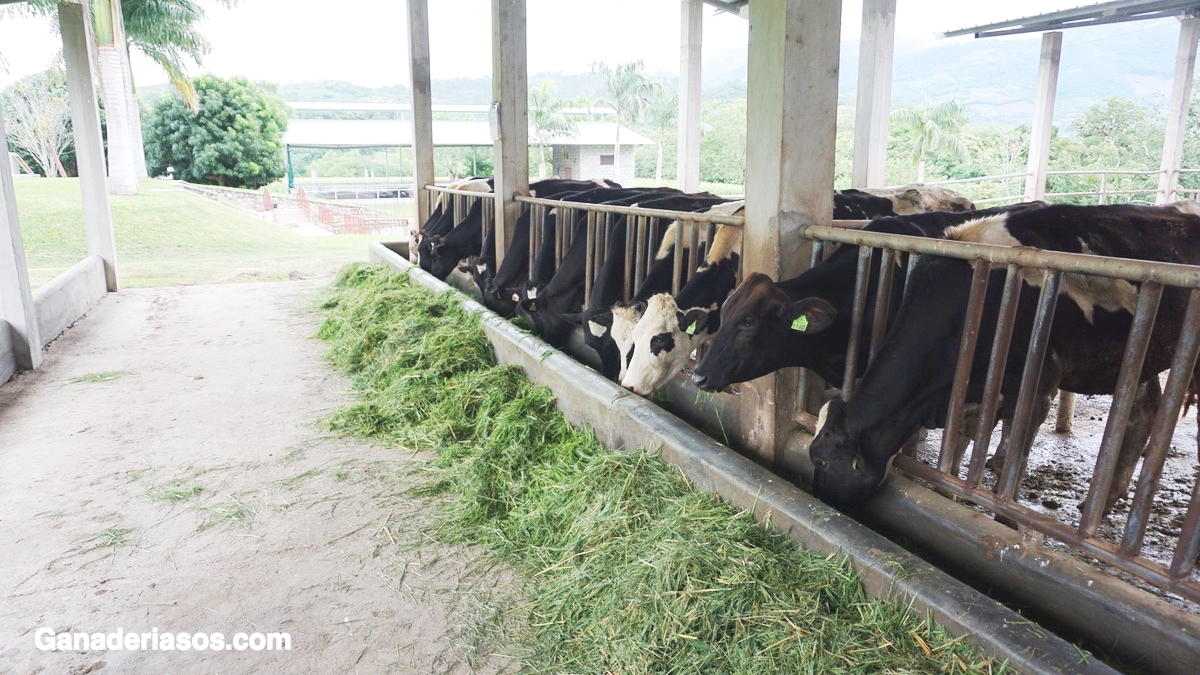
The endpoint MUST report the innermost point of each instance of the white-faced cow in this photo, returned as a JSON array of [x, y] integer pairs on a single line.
[[672, 328], [908, 384]]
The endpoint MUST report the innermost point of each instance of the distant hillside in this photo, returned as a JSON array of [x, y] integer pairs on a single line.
[[994, 76]]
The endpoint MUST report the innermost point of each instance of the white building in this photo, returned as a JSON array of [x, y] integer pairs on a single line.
[[590, 154]]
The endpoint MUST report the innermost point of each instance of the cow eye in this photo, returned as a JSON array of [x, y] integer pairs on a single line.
[[748, 322]]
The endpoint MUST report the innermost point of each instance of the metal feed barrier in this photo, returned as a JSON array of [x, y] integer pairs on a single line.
[[460, 203], [1123, 553], [598, 222], [1178, 576]]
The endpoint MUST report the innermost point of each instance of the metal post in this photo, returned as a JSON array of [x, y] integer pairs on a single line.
[[1043, 116], [792, 77], [422, 105], [16, 296], [874, 100], [1177, 112], [75, 26], [687, 172], [510, 116]]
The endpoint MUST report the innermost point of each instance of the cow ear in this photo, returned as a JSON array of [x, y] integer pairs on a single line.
[[639, 307], [911, 195], [600, 324], [693, 321], [810, 315]]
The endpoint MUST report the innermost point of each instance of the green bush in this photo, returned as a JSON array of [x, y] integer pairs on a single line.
[[235, 139]]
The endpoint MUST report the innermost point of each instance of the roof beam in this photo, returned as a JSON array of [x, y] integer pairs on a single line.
[[1092, 15]]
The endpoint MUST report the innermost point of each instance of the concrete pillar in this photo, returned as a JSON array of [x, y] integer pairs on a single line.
[[691, 37], [75, 26], [16, 297], [1043, 116], [1177, 112], [874, 101], [510, 116], [422, 104], [793, 80]]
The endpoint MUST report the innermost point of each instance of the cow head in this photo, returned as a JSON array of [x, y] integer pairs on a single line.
[[425, 251], [662, 341], [844, 476], [440, 258], [610, 334], [480, 269], [758, 321]]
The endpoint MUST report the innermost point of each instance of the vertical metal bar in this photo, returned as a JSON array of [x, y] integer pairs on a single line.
[[883, 296], [818, 249], [630, 236], [608, 227], [678, 262], [696, 260], [1024, 429], [1188, 546], [654, 236], [589, 267], [1122, 402], [856, 321], [913, 259], [962, 368], [1103, 186], [640, 263], [1165, 419], [990, 403]]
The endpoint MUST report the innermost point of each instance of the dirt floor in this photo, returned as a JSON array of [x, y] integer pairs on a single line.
[[1059, 473], [165, 469]]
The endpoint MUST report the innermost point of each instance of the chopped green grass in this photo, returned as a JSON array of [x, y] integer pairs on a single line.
[[629, 568], [177, 490], [92, 378], [112, 538]]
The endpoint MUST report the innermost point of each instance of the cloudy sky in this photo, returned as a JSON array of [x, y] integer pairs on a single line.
[[364, 41]]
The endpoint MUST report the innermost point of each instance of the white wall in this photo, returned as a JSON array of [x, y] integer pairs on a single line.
[[584, 162]]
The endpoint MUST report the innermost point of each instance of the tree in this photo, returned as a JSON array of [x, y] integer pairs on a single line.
[[662, 113], [936, 128], [234, 139], [629, 93], [116, 86], [39, 119], [547, 121]]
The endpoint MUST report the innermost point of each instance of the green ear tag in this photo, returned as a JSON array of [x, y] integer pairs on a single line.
[[854, 464], [691, 330], [801, 323]]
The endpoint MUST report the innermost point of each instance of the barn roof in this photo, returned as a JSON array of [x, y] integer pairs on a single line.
[[1089, 15], [379, 133]]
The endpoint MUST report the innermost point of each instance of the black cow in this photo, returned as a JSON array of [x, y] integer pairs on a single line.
[[757, 336], [908, 384]]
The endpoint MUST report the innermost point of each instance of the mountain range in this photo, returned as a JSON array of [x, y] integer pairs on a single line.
[[994, 76]]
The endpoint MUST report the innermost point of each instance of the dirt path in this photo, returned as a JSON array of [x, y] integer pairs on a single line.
[[164, 469]]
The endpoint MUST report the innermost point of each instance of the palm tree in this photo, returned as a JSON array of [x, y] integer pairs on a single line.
[[163, 30], [629, 94], [547, 120], [662, 113], [936, 128]]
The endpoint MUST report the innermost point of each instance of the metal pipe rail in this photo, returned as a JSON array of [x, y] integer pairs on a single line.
[[690, 216], [1169, 274], [1123, 547]]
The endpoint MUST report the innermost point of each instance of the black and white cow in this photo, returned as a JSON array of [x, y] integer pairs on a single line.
[[609, 283], [760, 327], [671, 328], [908, 384], [434, 252]]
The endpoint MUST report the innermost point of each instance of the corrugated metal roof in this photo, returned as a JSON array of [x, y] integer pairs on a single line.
[[1117, 11], [393, 133]]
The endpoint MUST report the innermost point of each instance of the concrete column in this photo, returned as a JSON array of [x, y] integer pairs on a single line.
[[1043, 116], [793, 80], [75, 26], [16, 297], [1177, 113], [510, 116], [874, 102], [691, 37], [422, 104]]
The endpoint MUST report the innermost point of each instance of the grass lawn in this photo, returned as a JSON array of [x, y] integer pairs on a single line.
[[167, 236], [715, 188]]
